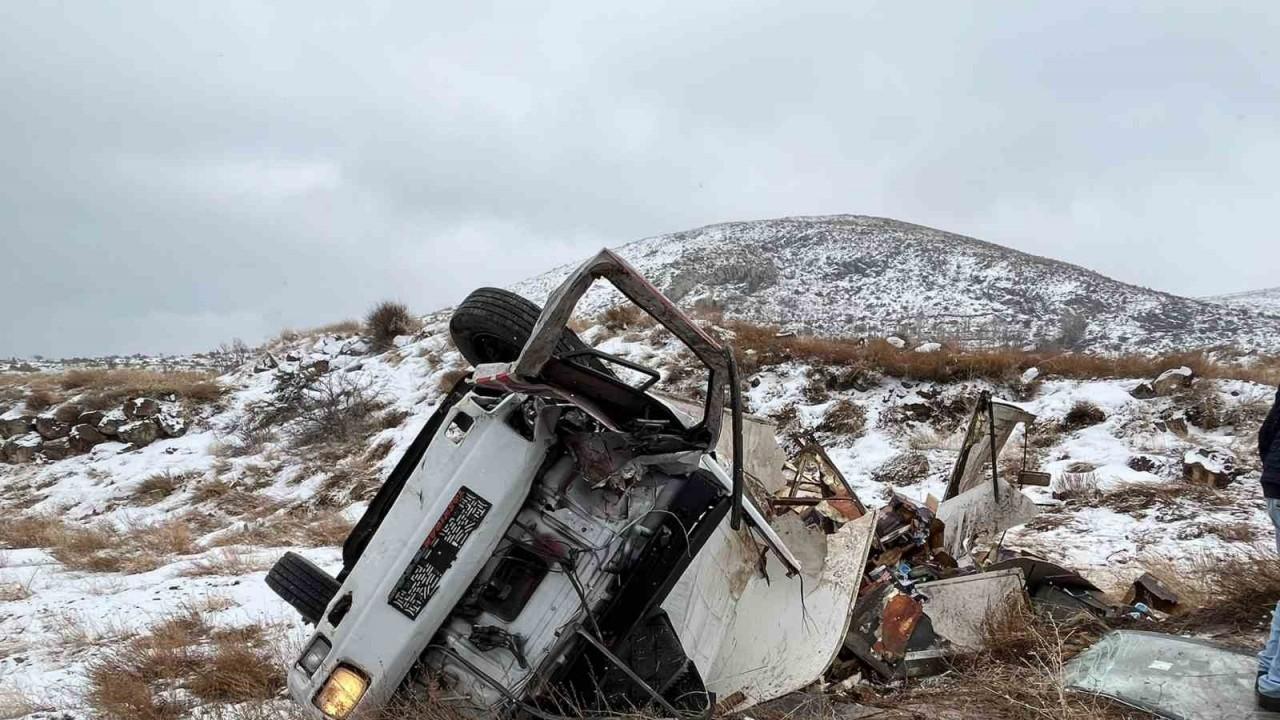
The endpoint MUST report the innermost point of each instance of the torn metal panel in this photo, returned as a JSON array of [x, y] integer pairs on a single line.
[[976, 514], [1174, 677], [960, 606], [1061, 592], [1152, 592], [976, 451], [760, 636], [811, 479]]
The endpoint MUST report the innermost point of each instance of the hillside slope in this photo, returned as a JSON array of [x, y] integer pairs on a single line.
[[855, 275], [1265, 302]]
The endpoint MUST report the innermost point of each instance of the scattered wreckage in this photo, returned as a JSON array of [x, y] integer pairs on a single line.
[[562, 539]]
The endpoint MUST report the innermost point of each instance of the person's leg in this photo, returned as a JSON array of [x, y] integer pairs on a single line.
[[1269, 658]]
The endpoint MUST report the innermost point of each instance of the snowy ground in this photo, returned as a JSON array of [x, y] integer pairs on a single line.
[[55, 621]]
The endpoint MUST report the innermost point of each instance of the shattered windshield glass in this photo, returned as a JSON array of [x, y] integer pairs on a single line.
[[1175, 677]]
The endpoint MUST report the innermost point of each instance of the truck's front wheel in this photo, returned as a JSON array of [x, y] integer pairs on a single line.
[[302, 584]]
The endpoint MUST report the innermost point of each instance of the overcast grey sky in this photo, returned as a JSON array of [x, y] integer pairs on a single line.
[[175, 174]]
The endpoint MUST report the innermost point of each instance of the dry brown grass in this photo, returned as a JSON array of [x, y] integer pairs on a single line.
[[29, 531], [135, 680], [387, 320], [954, 365], [1083, 414], [295, 527], [225, 562], [1017, 676], [40, 399], [844, 417], [625, 317], [1235, 591], [102, 547], [126, 383], [159, 486], [16, 590]]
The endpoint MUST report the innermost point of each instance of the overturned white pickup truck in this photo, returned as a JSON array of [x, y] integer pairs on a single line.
[[559, 540]]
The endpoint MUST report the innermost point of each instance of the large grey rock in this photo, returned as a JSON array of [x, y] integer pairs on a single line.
[[16, 426], [139, 432], [171, 424], [111, 423], [1213, 467], [141, 408], [84, 437], [1171, 381], [21, 448], [93, 417], [56, 449], [1143, 391], [51, 428]]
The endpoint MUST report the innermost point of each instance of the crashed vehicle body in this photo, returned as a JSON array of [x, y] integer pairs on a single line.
[[522, 556]]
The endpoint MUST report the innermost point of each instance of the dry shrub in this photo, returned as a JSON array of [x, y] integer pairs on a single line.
[[108, 548], [296, 527], [1083, 414], [1018, 675], [1136, 498], [449, 378], [159, 486], [392, 418], [999, 365], [1237, 590], [315, 409], [136, 680], [1205, 407], [903, 469], [39, 399], [68, 413], [15, 704], [844, 417], [386, 321], [211, 490], [29, 531], [226, 562], [625, 317], [117, 385], [17, 590], [1077, 487]]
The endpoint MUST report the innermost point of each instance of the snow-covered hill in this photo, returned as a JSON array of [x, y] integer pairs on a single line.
[[1265, 302], [855, 275]]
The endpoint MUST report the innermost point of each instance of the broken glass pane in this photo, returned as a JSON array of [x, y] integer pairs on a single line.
[[1174, 677]]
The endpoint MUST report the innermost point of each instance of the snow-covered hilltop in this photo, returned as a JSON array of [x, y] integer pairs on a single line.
[[855, 275], [1266, 302]]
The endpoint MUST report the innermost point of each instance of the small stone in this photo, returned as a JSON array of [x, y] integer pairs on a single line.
[[141, 408], [896, 341], [931, 347], [51, 428], [139, 432]]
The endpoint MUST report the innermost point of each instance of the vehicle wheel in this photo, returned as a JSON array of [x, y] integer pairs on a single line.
[[302, 584], [492, 325]]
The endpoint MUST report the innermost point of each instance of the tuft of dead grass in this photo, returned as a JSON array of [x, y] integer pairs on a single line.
[[159, 486], [1237, 590], [295, 527], [120, 384], [225, 562], [102, 547], [40, 399], [844, 417], [387, 320], [1083, 414], [138, 679]]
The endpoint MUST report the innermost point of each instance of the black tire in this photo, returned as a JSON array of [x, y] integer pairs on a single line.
[[492, 325], [302, 584]]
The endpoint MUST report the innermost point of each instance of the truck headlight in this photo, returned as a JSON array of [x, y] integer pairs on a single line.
[[341, 692], [316, 652]]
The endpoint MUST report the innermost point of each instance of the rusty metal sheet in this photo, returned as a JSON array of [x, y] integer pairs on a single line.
[[897, 622]]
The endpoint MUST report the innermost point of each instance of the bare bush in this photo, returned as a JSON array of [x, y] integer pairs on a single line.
[[844, 417], [234, 354], [40, 399], [1083, 414], [315, 408], [386, 321]]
